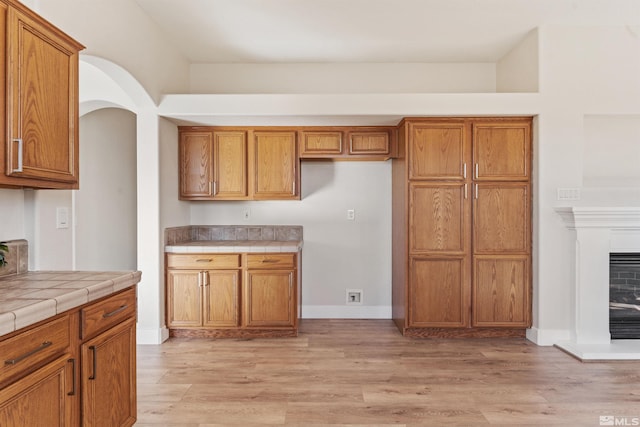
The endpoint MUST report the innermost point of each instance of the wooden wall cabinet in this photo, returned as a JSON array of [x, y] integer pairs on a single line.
[[275, 169], [39, 113], [238, 164], [78, 368], [462, 219], [348, 143], [232, 295]]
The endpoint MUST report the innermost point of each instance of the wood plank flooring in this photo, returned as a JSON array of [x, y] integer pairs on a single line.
[[364, 373]]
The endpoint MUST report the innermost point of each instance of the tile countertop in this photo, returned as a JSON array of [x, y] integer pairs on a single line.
[[219, 246], [30, 297]]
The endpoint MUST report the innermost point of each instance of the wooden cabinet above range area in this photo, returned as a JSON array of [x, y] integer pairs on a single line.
[[263, 163]]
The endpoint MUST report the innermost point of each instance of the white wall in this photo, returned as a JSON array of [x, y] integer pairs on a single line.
[[517, 71], [118, 30], [586, 72], [343, 78], [12, 222], [105, 204], [338, 254]]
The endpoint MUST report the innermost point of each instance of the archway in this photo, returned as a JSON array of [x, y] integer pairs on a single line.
[[104, 84]]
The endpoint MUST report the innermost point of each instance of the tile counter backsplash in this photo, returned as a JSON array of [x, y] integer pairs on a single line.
[[177, 235], [17, 258]]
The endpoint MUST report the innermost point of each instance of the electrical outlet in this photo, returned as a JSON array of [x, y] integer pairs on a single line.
[[354, 296], [568, 194], [351, 214], [246, 214]]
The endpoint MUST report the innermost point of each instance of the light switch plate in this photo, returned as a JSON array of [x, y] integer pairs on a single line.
[[62, 217]]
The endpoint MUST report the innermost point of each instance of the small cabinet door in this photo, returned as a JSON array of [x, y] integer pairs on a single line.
[[269, 298], [438, 151], [221, 298], [501, 218], [438, 215], [230, 165], [184, 301], [275, 165], [109, 377], [42, 116], [501, 291], [196, 170], [438, 292], [501, 151], [369, 143], [44, 397], [320, 144]]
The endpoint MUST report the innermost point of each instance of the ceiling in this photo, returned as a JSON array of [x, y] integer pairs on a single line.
[[304, 31]]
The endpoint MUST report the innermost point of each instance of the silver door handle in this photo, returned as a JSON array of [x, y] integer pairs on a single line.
[[20, 154]]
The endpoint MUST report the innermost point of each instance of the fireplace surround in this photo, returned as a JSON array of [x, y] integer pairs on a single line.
[[599, 231]]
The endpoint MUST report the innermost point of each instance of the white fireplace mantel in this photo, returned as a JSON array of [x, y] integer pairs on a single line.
[[611, 218], [598, 232]]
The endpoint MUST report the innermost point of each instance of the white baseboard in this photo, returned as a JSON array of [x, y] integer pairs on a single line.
[[548, 336], [346, 312], [151, 335]]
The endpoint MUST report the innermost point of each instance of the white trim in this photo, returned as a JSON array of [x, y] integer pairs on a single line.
[[151, 335], [547, 337], [346, 312], [600, 217]]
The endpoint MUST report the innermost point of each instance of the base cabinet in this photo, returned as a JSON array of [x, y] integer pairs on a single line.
[[78, 369], [232, 295]]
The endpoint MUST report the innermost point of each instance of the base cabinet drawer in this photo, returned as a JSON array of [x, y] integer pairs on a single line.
[[34, 347]]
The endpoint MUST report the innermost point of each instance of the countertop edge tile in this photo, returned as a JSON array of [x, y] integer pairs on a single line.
[[33, 313], [7, 322], [75, 296]]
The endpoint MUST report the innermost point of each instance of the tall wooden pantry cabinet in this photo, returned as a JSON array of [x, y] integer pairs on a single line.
[[462, 227]]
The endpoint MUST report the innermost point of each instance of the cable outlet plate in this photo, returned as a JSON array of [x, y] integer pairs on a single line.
[[354, 296]]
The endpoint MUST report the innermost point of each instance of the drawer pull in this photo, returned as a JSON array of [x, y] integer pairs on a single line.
[[204, 260], [114, 312], [95, 362], [30, 353], [269, 261], [73, 377]]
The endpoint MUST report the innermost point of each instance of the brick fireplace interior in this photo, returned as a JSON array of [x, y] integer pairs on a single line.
[[624, 295]]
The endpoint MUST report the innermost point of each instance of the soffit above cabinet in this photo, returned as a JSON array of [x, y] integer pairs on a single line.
[[337, 109]]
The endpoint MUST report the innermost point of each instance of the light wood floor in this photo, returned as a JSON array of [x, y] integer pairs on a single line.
[[363, 372]]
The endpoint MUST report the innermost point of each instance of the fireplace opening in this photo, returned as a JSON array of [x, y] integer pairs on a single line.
[[624, 295]]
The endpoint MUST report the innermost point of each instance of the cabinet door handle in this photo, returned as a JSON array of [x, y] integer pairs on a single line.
[[95, 362], [20, 154], [114, 312], [464, 171], [73, 377], [476, 191], [476, 171], [214, 188], [27, 354], [465, 191]]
